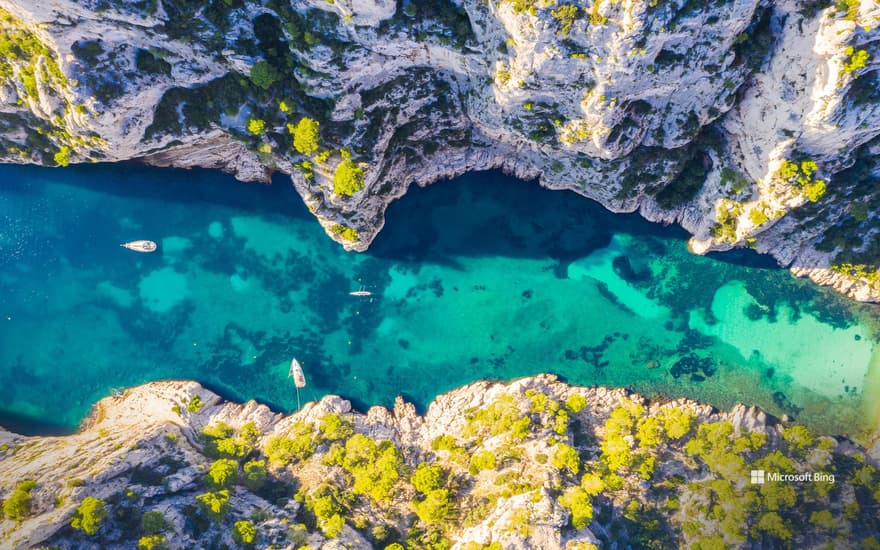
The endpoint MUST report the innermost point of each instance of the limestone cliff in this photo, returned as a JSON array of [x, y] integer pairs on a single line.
[[531, 464], [750, 122]]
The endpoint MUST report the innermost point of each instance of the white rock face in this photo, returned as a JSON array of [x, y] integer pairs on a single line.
[[618, 101]]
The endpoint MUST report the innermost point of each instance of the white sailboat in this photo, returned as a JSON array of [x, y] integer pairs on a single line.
[[299, 378], [361, 292], [140, 246]]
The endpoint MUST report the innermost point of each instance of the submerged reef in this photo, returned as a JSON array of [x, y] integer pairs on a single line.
[[534, 463]]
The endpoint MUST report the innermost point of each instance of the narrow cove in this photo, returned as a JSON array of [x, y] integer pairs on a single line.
[[480, 277]]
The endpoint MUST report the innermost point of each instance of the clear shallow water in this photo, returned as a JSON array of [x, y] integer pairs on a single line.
[[480, 277]]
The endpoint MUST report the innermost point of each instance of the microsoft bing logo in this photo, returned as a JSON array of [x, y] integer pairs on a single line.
[[757, 477]]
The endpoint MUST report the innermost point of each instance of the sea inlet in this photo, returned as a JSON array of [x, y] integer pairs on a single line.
[[479, 277]]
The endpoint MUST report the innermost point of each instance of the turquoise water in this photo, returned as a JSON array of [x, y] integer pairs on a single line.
[[480, 277]]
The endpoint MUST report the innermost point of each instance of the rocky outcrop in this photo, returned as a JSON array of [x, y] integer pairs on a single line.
[[689, 112], [506, 459]]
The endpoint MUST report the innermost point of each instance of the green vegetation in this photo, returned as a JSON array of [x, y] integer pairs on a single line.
[[18, 505], [657, 477], [374, 467], [153, 523], [195, 404], [850, 8], [264, 75], [502, 416], [89, 515], [348, 178], [256, 126], [254, 474], [427, 478], [576, 403], [327, 506], [153, 542], [727, 213], [856, 59], [346, 233], [298, 445], [566, 458], [577, 501], [733, 181], [334, 427], [199, 107], [148, 62], [221, 441], [306, 136], [566, 14], [215, 504], [62, 157], [436, 507], [244, 532], [803, 175], [222, 474], [482, 460]]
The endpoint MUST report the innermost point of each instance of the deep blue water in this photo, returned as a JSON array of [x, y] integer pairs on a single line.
[[480, 277]]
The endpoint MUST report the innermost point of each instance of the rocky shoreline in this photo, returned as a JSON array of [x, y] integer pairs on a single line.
[[748, 124], [534, 463]]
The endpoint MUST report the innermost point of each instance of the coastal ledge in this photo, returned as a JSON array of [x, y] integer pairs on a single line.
[[534, 463]]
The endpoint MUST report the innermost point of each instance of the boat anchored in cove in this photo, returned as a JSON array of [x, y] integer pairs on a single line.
[[140, 246], [361, 292], [299, 378]]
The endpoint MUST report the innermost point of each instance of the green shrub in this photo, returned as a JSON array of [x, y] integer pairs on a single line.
[[346, 233], [62, 157], [214, 504], [334, 427], [222, 441], [254, 474], [576, 403], [325, 503], [560, 422], [348, 179], [153, 523], [565, 457], [89, 515], [592, 483], [374, 466], [435, 508], [483, 460], [677, 421], [222, 473], [299, 445], [501, 416], [195, 404], [566, 14], [577, 501], [798, 436], [306, 136], [444, 443], [264, 75], [855, 60], [773, 524], [650, 432], [256, 126], [427, 478], [244, 532], [153, 542], [18, 505]]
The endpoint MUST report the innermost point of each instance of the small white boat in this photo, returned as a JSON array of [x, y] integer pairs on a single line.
[[361, 292], [299, 379], [296, 372], [140, 246]]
